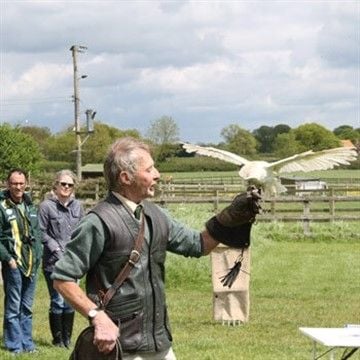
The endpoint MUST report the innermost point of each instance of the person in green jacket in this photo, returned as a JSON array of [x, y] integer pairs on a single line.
[[20, 256]]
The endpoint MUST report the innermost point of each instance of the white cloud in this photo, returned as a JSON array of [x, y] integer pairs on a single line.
[[37, 80], [205, 63]]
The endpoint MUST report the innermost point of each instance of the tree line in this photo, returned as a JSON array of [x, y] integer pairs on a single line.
[[39, 151]]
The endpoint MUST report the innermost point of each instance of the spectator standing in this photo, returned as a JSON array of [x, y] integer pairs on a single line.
[[58, 215], [20, 255]]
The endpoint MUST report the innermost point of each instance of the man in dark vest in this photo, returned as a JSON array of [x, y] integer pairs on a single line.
[[102, 242]]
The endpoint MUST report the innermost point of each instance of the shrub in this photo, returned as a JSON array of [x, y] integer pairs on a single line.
[[200, 163]]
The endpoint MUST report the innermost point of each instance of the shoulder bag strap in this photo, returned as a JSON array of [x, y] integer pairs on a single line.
[[124, 273]]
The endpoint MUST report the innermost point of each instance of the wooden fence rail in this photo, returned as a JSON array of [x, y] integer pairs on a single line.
[[286, 208], [206, 190], [335, 203], [234, 179]]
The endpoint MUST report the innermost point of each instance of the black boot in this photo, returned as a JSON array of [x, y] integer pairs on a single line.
[[67, 322], [55, 321]]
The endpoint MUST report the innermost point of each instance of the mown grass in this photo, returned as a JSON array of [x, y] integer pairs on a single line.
[[295, 281], [292, 285], [346, 174]]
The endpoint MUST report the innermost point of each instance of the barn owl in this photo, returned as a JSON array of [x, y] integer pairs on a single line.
[[264, 174]]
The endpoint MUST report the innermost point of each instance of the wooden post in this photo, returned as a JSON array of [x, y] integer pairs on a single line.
[[306, 220], [216, 200], [231, 306], [272, 207], [332, 205], [97, 191]]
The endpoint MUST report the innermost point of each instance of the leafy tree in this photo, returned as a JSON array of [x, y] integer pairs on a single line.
[[18, 149], [62, 147], [163, 131], [342, 129], [238, 140], [164, 152], [281, 129], [315, 137], [346, 132], [265, 135], [306, 137], [40, 134], [96, 147], [285, 145]]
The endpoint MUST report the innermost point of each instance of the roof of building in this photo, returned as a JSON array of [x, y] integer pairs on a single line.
[[98, 168]]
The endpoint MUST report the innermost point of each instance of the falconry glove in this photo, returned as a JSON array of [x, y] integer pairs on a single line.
[[233, 224]]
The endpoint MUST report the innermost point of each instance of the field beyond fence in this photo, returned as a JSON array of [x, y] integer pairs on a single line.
[[340, 201], [331, 204]]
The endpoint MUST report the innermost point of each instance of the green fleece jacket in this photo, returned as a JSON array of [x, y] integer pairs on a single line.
[[20, 236]]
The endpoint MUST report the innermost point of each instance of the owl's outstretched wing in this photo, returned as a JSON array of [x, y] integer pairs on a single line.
[[319, 160], [216, 153]]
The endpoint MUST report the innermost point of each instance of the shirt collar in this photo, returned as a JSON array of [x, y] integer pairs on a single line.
[[128, 203]]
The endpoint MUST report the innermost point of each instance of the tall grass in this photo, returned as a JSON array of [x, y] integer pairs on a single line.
[[295, 281]]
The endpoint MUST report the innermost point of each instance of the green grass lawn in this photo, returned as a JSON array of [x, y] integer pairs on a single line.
[[351, 175], [296, 281]]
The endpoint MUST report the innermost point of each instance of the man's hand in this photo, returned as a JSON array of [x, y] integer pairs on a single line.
[[12, 264], [233, 224], [243, 209], [106, 332]]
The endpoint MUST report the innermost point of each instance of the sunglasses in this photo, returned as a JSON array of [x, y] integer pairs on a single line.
[[64, 184]]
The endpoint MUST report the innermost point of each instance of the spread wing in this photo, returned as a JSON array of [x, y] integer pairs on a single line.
[[319, 160], [216, 153]]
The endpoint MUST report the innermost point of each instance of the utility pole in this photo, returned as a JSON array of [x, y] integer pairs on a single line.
[[75, 49]]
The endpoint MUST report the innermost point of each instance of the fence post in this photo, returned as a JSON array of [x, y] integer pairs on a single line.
[[97, 191], [306, 220], [332, 204], [216, 200], [272, 207]]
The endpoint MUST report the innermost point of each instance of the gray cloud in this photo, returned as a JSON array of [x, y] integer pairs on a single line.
[[205, 63]]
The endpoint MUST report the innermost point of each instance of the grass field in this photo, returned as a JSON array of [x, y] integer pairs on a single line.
[[352, 176], [296, 281]]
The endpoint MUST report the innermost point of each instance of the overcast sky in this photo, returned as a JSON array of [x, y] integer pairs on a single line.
[[207, 64]]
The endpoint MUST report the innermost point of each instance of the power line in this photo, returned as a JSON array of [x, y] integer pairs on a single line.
[[16, 102]]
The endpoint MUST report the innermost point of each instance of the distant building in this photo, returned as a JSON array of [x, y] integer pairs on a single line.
[[294, 184], [92, 171]]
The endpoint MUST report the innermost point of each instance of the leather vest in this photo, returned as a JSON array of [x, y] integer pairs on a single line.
[[139, 304]]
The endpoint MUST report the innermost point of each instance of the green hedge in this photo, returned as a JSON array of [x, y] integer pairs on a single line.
[[55, 166], [194, 164]]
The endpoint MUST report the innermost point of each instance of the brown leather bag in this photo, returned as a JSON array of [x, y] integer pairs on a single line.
[[84, 348]]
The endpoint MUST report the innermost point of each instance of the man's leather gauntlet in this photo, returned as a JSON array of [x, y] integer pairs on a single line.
[[232, 225]]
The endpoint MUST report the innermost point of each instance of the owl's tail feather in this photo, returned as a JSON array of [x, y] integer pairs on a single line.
[[273, 188]]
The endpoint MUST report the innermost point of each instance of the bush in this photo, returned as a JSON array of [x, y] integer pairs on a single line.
[[200, 163], [55, 166]]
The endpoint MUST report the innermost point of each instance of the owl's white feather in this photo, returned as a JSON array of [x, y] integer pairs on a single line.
[[264, 174]]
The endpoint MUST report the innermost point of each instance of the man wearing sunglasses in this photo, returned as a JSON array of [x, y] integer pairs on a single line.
[[20, 256], [58, 215]]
